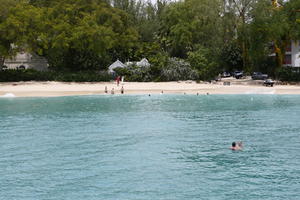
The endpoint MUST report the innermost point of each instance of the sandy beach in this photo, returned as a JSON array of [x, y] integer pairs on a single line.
[[52, 89]]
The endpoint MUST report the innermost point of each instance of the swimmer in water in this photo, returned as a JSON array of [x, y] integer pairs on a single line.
[[236, 146]]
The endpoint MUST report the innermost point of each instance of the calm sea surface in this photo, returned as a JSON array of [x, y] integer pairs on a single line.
[[163, 147]]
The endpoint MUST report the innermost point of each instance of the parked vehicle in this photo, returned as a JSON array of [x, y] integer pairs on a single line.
[[218, 78], [259, 76], [238, 74], [269, 82], [225, 75]]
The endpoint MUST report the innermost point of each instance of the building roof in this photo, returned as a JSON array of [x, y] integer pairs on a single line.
[[115, 65], [143, 63]]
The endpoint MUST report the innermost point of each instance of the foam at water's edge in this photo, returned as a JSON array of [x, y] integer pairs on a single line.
[[261, 91], [8, 95]]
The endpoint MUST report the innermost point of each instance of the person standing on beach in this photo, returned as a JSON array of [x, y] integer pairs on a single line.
[[118, 80], [122, 90], [105, 90]]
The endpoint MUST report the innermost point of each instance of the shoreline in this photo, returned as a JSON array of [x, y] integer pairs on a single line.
[[56, 89]]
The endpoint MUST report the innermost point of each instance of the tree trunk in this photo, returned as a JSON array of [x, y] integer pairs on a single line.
[[1, 62], [279, 56], [244, 45], [280, 50]]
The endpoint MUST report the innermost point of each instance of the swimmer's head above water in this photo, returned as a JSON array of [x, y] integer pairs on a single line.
[[236, 146]]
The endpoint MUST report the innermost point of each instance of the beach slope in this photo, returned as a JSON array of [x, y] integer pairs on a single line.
[[51, 89]]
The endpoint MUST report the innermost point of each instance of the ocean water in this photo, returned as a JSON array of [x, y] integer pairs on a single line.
[[162, 147]]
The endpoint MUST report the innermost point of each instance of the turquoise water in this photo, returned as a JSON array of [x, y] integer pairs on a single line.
[[168, 147]]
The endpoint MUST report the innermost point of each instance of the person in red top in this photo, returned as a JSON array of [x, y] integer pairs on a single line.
[[118, 80]]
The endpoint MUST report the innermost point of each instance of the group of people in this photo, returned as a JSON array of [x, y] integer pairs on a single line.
[[118, 79], [113, 90]]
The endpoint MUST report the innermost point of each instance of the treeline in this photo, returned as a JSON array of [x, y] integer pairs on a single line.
[[184, 39]]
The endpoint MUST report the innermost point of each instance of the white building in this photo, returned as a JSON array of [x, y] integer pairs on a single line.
[[117, 64], [292, 55], [143, 63], [25, 60]]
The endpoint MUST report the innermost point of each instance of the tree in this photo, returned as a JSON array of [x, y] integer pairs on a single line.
[[178, 69], [5, 42], [73, 35], [231, 55], [188, 24], [242, 10], [273, 29], [204, 62]]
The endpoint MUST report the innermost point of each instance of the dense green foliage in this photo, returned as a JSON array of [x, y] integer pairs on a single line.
[[135, 73], [288, 74], [204, 37], [177, 69], [33, 75]]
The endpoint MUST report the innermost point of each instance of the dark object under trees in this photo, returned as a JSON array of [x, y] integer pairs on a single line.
[[238, 74], [33, 75], [259, 76], [269, 82]]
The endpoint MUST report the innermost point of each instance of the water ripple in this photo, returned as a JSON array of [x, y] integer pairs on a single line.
[[158, 147]]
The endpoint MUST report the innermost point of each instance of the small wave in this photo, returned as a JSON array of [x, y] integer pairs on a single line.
[[261, 91], [8, 95]]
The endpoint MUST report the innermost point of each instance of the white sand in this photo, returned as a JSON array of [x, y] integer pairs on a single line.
[[49, 89]]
